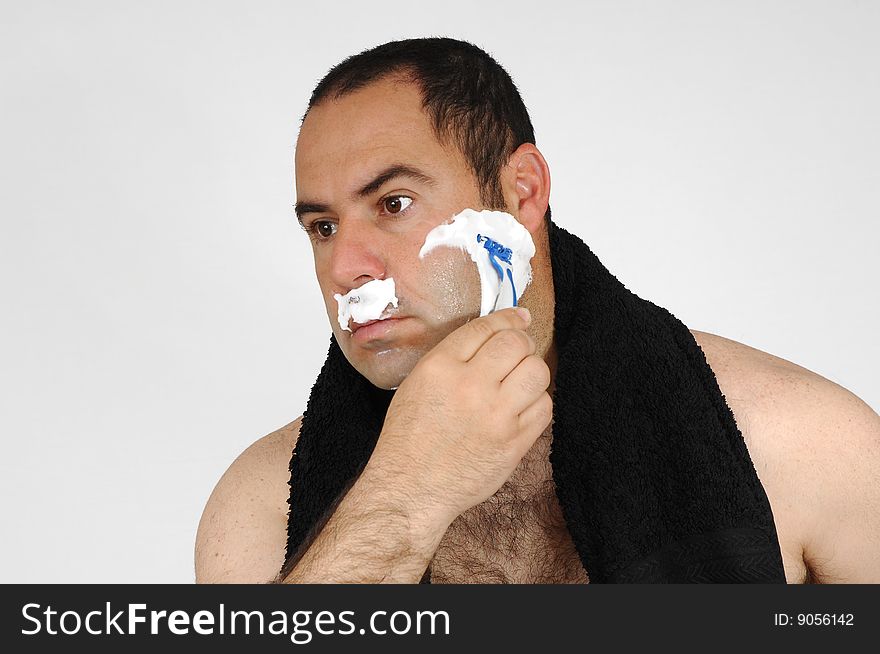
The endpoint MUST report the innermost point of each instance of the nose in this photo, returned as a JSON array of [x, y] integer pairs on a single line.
[[357, 256]]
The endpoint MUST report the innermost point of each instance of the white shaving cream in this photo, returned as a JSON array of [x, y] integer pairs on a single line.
[[469, 231], [365, 303]]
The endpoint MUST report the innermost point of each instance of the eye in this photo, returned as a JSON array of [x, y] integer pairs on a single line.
[[395, 204], [320, 230]]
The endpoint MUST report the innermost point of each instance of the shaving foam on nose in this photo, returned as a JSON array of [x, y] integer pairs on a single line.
[[365, 303], [500, 247]]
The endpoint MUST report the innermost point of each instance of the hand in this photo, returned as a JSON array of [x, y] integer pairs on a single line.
[[464, 417]]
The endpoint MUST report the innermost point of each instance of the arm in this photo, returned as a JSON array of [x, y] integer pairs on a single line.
[[243, 529], [372, 536], [841, 480]]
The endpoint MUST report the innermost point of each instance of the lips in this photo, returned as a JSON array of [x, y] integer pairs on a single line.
[[385, 316], [372, 330], [357, 325]]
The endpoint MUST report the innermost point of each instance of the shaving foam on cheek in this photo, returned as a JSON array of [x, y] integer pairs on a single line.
[[500, 246], [365, 303]]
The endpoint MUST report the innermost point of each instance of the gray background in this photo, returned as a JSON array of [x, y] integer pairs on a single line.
[[720, 158]]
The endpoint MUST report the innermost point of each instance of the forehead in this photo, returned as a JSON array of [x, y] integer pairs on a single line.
[[347, 139]]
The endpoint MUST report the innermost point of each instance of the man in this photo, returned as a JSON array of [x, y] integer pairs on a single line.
[[379, 163]]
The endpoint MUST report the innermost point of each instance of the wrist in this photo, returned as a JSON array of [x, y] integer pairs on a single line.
[[389, 493]]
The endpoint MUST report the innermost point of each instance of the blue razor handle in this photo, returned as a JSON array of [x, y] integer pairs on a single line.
[[498, 252]]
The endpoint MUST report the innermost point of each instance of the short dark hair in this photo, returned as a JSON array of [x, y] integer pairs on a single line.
[[468, 96]]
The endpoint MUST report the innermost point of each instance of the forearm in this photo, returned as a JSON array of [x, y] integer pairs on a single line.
[[373, 536]]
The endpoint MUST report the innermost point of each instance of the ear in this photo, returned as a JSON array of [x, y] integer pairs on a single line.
[[526, 185]]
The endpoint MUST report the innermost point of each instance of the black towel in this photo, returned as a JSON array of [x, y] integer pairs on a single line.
[[652, 473]]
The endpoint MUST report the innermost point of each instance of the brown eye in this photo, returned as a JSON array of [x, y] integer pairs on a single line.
[[320, 230], [396, 203]]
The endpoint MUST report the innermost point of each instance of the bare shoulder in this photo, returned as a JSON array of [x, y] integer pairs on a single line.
[[243, 531], [816, 449]]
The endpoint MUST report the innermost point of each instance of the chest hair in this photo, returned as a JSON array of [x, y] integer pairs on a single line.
[[516, 536]]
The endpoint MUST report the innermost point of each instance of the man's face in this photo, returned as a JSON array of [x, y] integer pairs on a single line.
[[363, 230]]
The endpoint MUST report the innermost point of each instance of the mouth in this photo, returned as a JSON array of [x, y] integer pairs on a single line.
[[363, 332], [357, 325], [391, 314]]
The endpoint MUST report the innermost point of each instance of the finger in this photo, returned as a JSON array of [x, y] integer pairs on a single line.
[[537, 416], [525, 383], [502, 353], [466, 341]]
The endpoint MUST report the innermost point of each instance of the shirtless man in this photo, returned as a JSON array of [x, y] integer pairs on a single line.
[[815, 445]]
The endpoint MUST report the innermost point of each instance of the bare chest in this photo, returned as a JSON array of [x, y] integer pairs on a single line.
[[507, 545], [517, 536]]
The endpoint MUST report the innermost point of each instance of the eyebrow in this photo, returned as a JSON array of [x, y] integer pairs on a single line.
[[386, 175]]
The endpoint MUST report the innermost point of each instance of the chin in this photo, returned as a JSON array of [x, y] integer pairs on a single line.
[[382, 379], [387, 387], [388, 377], [387, 369]]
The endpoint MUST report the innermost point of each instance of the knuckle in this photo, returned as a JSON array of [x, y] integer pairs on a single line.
[[534, 381], [545, 408], [543, 370], [504, 341], [513, 340], [537, 375], [482, 328], [530, 385]]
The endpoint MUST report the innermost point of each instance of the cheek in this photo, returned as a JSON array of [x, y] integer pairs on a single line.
[[450, 283]]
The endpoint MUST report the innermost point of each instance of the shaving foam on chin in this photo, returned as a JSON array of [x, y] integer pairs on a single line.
[[500, 247], [365, 303]]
